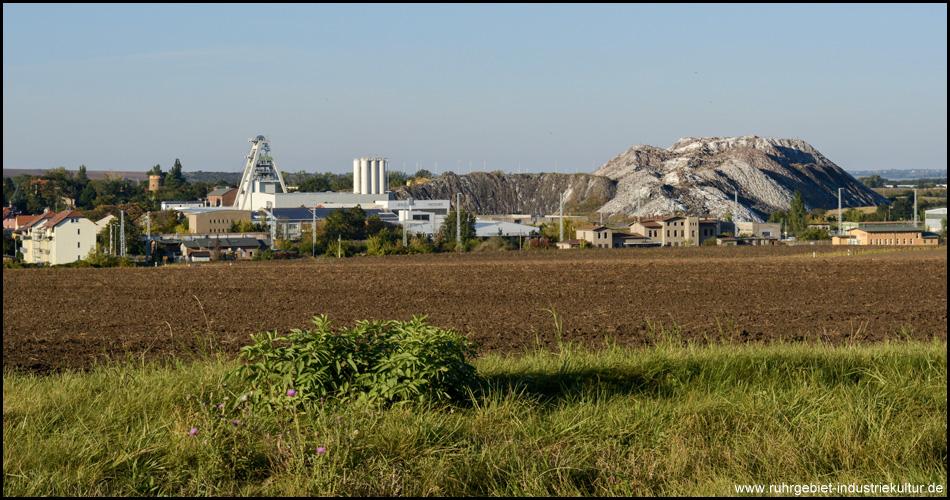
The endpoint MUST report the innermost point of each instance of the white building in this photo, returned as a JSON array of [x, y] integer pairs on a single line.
[[178, 205], [58, 238], [259, 200], [933, 217]]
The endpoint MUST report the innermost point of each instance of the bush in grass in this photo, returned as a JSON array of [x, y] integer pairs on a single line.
[[379, 361]]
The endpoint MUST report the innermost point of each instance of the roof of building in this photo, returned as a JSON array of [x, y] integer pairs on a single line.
[[7, 213], [225, 243], [485, 228], [593, 228], [221, 191], [33, 220], [306, 214], [629, 236], [888, 229], [651, 224], [205, 210], [936, 211], [60, 217]]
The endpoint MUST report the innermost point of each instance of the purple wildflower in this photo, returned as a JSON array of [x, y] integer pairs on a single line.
[[221, 406], [291, 392], [204, 403], [234, 422], [193, 431], [321, 450]]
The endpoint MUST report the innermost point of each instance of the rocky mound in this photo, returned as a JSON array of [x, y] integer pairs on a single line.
[[492, 193], [699, 176]]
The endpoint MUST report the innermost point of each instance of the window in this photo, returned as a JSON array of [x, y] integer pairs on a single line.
[[78, 245]]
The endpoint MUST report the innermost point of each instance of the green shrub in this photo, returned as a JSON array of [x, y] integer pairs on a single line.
[[380, 361]]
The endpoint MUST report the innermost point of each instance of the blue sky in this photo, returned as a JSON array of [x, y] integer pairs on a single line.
[[125, 87]]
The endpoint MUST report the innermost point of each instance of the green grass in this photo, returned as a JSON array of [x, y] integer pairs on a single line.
[[669, 420]]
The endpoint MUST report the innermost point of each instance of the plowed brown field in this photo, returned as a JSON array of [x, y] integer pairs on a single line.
[[54, 318]]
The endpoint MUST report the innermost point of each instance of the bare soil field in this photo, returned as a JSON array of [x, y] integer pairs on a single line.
[[73, 318]]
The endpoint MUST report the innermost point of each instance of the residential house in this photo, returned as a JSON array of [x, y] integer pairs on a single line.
[[759, 229], [57, 238], [677, 230], [568, 244], [630, 240], [9, 222], [597, 236]]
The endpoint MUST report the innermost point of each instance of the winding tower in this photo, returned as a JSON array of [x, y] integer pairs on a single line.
[[261, 174]]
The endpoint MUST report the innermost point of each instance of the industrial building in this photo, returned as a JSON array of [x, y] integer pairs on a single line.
[[208, 220], [886, 234], [933, 218]]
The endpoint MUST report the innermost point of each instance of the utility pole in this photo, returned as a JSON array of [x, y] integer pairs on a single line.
[[915, 208], [458, 220], [122, 233], [562, 217], [313, 232], [148, 235], [339, 245], [839, 212]]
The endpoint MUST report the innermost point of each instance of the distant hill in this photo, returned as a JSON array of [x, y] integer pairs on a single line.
[[191, 177], [92, 174], [894, 174]]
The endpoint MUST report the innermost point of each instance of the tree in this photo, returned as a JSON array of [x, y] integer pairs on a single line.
[[423, 174], [797, 216], [313, 184], [902, 209], [82, 179], [87, 197], [874, 181], [447, 231], [347, 224], [156, 170], [175, 179]]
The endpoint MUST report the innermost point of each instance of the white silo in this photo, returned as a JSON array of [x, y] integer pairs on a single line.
[[364, 175], [374, 182], [381, 165], [356, 176]]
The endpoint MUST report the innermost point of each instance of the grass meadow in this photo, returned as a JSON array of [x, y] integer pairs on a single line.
[[671, 419]]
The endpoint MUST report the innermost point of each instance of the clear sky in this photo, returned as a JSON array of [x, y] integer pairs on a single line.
[[125, 87]]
